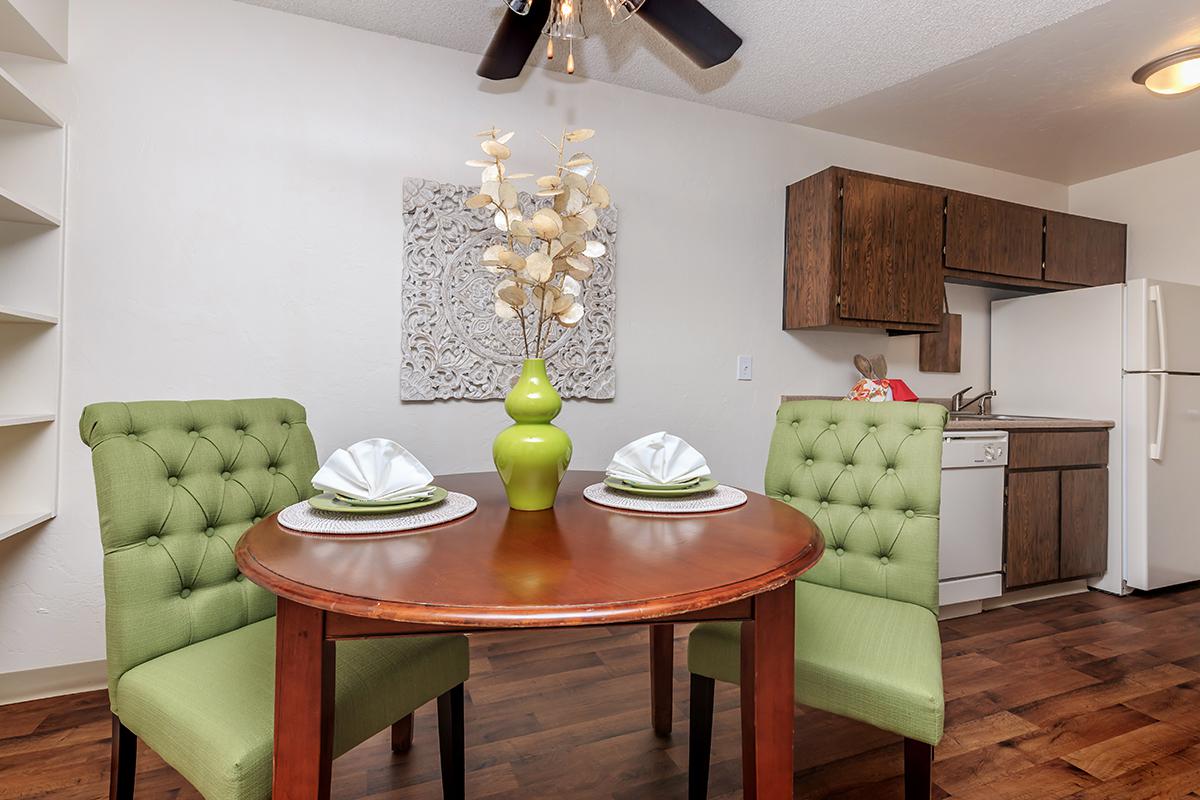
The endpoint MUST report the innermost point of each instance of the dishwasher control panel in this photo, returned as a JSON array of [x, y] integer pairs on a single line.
[[962, 449]]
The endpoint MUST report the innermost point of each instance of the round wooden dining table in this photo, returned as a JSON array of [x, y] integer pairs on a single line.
[[576, 564]]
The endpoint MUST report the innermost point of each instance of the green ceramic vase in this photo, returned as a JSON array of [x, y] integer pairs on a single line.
[[532, 455]]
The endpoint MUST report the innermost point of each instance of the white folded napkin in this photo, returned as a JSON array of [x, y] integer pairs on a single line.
[[374, 469], [660, 459]]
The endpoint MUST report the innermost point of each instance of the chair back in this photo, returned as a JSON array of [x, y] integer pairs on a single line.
[[177, 483], [869, 475]]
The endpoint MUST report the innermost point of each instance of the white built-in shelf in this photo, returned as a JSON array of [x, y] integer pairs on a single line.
[[9, 420], [14, 210], [10, 314], [12, 524], [18, 35], [17, 105]]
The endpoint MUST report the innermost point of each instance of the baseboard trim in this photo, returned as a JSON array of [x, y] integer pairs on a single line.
[[1036, 593], [34, 684]]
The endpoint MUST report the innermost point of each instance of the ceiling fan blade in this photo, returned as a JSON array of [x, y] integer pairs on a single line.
[[514, 40], [692, 28]]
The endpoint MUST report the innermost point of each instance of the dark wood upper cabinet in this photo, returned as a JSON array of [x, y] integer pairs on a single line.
[[993, 237], [1084, 251], [866, 251], [863, 251]]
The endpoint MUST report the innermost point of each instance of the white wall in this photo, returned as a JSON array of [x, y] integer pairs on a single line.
[[1160, 205], [234, 207]]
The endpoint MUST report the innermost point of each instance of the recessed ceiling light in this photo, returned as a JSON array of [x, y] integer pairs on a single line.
[[1174, 74]]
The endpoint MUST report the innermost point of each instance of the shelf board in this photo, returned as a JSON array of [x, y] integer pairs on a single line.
[[12, 524], [18, 35], [10, 420], [10, 314], [14, 210], [18, 106]]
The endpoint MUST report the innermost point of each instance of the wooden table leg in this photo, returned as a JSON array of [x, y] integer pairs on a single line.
[[768, 696], [662, 666], [304, 684]]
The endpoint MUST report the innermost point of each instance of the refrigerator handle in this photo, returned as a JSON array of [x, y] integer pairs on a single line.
[[1155, 294], [1156, 445]]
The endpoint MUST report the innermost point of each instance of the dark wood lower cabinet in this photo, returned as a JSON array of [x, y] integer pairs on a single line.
[[1084, 497], [1056, 507], [1033, 520]]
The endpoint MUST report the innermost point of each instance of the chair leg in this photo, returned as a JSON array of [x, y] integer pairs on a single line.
[[700, 735], [402, 735], [452, 740], [918, 770], [124, 762]]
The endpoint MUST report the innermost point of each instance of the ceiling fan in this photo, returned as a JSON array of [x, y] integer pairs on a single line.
[[687, 24]]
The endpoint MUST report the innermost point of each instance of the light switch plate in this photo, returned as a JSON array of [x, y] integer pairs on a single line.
[[745, 368]]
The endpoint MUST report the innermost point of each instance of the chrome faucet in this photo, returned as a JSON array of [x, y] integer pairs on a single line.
[[958, 404]]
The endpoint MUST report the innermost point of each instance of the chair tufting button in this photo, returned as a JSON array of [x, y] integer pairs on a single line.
[[209, 531], [131, 436], [241, 432], [872, 429], [257, 520], [883, 559], [787, 498], [910, 513], [239, 577], [840, 551], [808, 461], [916, 431], [833, 426], [891, 471], [226, 476], [849, 468], [795, 424], [185, 593], [152, 540], [194, 434], [172, 480], [824, 504], [285, 425], [271, 470], [866, 509]]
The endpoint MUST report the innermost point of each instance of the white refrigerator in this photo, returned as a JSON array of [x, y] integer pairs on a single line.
[[1129, 353]]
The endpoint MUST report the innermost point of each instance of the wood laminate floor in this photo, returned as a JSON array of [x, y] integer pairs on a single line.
[[1083, 697]]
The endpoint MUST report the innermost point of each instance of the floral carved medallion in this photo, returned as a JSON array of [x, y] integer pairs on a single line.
[[453, 346]]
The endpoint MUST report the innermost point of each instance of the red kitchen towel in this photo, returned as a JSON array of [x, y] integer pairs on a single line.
[[900, 390]]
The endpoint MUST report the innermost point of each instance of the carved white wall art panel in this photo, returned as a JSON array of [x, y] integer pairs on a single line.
[[453, 345]]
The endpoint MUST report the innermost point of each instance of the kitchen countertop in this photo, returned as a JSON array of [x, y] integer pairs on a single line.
[[974, 423]]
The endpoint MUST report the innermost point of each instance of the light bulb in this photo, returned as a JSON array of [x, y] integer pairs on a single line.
[[566, 8]]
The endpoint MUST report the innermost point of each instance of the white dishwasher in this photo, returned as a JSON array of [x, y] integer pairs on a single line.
[[971, 549]]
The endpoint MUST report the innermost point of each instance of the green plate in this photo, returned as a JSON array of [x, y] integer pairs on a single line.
[[705, 485], [327, 502], [354, 501]]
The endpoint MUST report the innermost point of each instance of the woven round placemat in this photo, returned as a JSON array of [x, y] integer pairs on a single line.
[[718, 499], [303, 518]]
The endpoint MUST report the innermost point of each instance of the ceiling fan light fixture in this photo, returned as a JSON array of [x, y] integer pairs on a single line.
[[622, 10], [519, 6], [565, 21], [1176, 73]]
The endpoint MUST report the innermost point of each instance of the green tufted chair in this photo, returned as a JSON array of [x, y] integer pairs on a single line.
[[867, 644], [191, 643]]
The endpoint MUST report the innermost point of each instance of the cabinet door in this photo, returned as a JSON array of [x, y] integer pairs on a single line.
[[1032, 519], [1084, 542], [993, 237], [891, 268], [1088, 252]]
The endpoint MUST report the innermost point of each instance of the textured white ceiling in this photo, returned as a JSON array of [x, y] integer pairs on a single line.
[[800, 56], [1038, 87], [1058, 103]]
